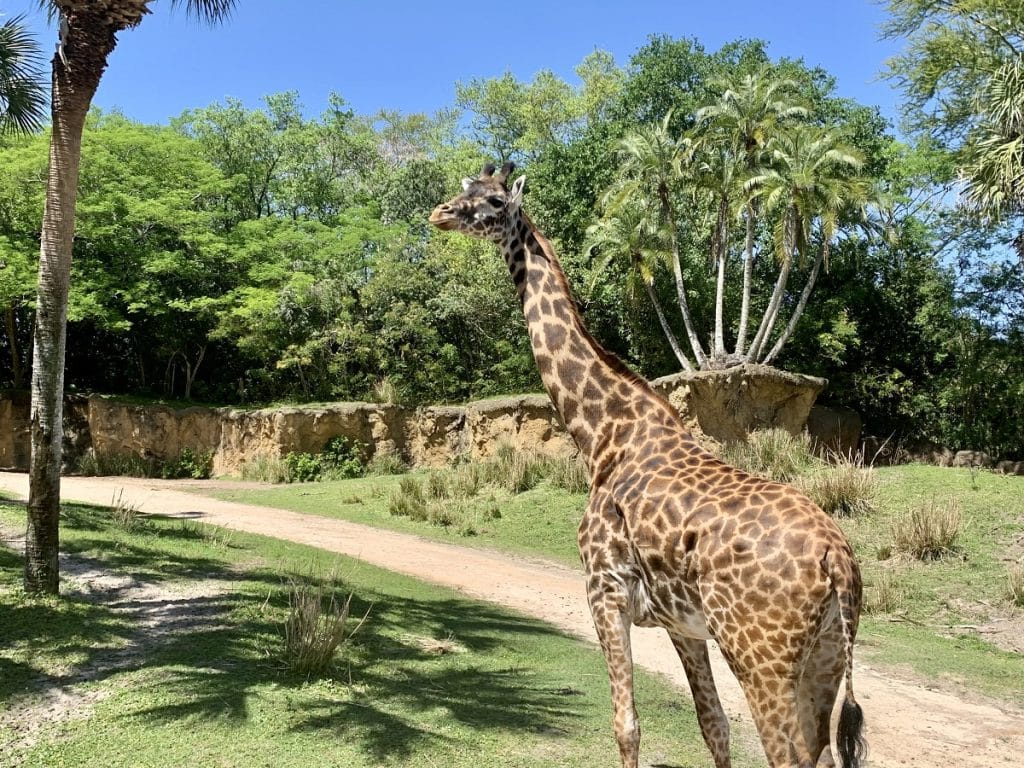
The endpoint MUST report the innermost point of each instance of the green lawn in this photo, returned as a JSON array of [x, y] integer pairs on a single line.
[[214, 691], [539, 522], [934, 629]]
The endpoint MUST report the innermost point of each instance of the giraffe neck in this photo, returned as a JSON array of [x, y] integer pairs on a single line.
[[593, 391]]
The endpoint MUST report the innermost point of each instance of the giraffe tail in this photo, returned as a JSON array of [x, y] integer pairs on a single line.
[[850, 741]]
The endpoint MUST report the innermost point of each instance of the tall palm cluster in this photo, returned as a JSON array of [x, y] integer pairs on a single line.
[[759, 179]]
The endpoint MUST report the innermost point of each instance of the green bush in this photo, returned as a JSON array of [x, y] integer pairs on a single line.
[[197, 465], [340, 459]]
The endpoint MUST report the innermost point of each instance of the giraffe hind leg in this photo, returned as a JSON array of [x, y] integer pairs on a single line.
[[714, 725], [822, 675]]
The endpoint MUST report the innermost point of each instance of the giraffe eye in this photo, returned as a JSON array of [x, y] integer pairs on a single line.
[[496, 201]]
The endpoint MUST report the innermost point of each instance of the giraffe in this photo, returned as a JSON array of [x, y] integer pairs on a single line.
[[673, 537]]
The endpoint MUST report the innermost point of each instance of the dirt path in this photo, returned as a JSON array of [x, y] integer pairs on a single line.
[[909, 724]]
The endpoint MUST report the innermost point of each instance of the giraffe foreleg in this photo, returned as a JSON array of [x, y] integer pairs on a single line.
[[608, 606], [714, 725]]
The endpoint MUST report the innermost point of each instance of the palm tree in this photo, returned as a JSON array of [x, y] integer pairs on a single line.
[[741, 124], [994, 153], [652, 163], [813, 181], [631, 232], [22, 95], [87, 35]]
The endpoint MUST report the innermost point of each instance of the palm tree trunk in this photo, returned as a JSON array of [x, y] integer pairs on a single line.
[[677, 273], [748, 281], [77, 69], [800, 306], [721, 238], [764, 330], [672, 340]]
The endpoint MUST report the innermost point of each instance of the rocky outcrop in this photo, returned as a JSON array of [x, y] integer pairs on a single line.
[[730, 404], [725, 405]]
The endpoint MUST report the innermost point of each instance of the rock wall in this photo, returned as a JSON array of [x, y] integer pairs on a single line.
[[730, 404], [724, 404]]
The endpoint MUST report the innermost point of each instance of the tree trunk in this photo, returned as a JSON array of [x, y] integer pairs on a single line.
[[800, 306], [748, 281], [677, 273], [672, 340], [764, 331], [721, 242], [77, 69]]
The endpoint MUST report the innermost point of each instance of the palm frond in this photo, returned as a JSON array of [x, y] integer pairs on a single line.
[[22, 88]]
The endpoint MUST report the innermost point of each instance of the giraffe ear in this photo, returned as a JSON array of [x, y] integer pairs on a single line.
[[466, 182], [515, 194]]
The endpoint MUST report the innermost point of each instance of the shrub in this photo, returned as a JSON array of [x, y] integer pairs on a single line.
[[197, 465], [928, 532], [342, 458], [302, 467], [265, 468], [772, 453], [844, 489], [316, 626], [515, 471], [386, 464], [438, 485], [465, 480], [122, 464], [408, 500], [124, 514]]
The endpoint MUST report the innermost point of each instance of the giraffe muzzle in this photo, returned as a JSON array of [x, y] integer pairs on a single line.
[[443, 217]]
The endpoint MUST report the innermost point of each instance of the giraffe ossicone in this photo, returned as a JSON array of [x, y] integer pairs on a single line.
[[673, 537]]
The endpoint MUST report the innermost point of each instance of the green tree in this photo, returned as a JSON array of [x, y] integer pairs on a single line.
[[88, 34], [22, 95], [961, 73]]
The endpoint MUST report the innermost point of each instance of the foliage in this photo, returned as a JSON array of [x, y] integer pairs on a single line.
[[197, 465], [22, 93], [340, 458], [961, 75], [843, 488], [261, 255], [772, 453]]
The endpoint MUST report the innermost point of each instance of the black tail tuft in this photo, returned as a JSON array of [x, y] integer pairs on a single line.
[[850, 740]]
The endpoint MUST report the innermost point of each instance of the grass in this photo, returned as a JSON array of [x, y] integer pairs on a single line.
[[912, 604], [429, 679]]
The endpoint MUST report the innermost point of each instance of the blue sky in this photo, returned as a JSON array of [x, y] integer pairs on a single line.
[[409, 55]]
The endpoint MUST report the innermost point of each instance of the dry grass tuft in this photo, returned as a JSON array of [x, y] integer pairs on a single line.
[[317, 626], [772, 453], [884, 594], [1015, 584], [929, 531], [844, 488]]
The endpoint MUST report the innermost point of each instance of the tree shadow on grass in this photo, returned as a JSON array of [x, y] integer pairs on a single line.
[[216, 654], [401, 687]]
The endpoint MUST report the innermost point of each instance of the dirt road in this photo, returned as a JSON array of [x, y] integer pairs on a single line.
[[909, 724]]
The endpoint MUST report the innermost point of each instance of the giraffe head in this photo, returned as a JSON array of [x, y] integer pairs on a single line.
[[486, 208]]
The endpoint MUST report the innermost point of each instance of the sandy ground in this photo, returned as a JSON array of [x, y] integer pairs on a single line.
[[910, 723]]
